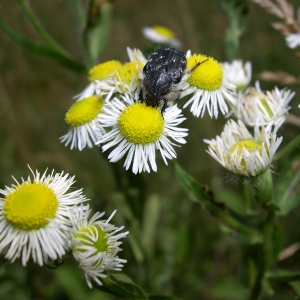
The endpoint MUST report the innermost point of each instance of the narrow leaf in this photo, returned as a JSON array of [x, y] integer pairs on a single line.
[[202, 195], [41, 49], [287, 187]]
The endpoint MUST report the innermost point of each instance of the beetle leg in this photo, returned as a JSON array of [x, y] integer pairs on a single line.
[[141, 96], [164, 105]]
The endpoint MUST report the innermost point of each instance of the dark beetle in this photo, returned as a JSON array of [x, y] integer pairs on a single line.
[[163, 71]]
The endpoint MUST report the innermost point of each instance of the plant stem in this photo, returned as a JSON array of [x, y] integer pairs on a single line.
[[266, 254], [284, 278]]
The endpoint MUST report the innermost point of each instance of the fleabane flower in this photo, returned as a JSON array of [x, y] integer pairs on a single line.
[[34, 217], [237, 73], [263, 108], [84, 117], [242, 153], [137, 131], [95, 244], [293, 40], [100, 72], [208, 87], [161, 35], [125, 80]]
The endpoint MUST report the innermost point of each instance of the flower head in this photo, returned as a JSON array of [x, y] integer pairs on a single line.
[[140, 130], [161, 35], [99, 72], [263, 108], [84, 120], [125, 80], [237, 73], [240, 152], [34, 218], [95, 244], [208, 87]]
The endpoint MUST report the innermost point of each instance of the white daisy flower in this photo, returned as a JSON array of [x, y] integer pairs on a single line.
[[237, 73], [84, 120], [161, 35], [95, 244], [263, 108], [208, 87], [138, 131], [293, 40], [240, 152], [125, 80], [34, 217], [100, 72]]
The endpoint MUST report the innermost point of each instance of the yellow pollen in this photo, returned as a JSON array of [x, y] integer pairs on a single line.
[[102, 71], [85, 236], [164, 31], [250, 145], [141, 124], [30, 206], [129, 70], [84, 111], [208, 75]]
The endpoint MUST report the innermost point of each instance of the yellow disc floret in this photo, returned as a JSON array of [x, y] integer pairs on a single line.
[[102, 71], [250, 145], [208, 75], [84, 111], [87, 236], [128, 71], [164, 31], [141, 124], [30, 206]]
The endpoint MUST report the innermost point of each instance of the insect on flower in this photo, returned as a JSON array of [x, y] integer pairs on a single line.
[[162, 75]]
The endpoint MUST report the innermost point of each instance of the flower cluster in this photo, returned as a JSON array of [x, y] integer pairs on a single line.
[[43, 219], [247, 147], [111, 112], [114, 114]]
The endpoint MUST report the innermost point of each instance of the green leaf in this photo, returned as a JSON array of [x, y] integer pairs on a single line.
[[41, 49], [202, 195], [287, 187], [121, 285]]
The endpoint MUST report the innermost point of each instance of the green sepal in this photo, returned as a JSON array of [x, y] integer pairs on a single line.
[[264, 188]]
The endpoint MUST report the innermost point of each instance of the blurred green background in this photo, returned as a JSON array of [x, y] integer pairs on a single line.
[[175, 247]]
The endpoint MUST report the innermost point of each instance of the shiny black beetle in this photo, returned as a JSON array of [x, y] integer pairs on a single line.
[[161, 76]]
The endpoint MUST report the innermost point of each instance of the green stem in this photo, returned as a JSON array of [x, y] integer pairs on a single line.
[[39, 28], [266, 255], [284, 278], [290, 146]]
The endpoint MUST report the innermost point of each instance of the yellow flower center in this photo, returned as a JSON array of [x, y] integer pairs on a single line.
[[250, 145], [30, 206], [102, 71], [84, 111], [129, 70], [164, 31], [207, 76], [85, 235], [141, 124]]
